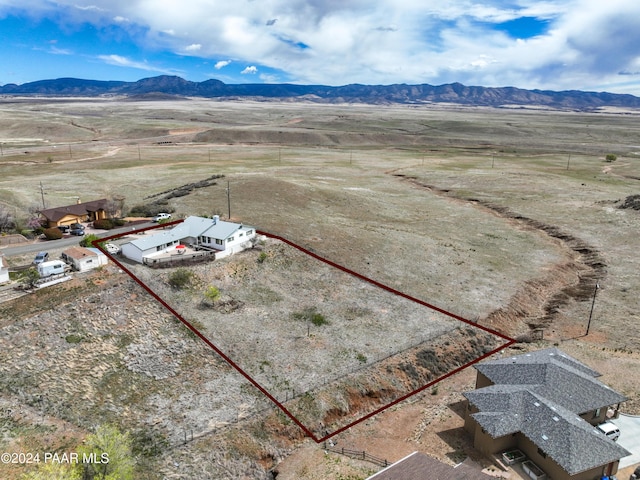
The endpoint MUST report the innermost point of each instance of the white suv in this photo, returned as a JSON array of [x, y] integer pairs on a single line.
[[162, 216], [610, 430]]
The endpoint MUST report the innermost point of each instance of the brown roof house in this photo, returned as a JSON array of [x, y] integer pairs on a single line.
[[545, 404], [76, 213], [418, 466]]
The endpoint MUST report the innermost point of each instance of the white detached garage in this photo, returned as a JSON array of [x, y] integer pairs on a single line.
[[83, 259]]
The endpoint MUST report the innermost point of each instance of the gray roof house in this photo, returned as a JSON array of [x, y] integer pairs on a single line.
[[213, 234], [545, 403]]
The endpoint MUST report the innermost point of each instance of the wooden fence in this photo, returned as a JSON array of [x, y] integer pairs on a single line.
[[358, 454], [177, 260]]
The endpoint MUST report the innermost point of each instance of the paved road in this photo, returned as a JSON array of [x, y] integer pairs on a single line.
[[629, 438], [38, 246]]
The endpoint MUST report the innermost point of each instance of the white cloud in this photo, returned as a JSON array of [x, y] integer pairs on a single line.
[[221, 64], [121, 61], [194, 47], [252, 69], [587, 44]]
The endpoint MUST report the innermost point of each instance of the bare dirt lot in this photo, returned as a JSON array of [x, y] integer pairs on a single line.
[[506, 217]]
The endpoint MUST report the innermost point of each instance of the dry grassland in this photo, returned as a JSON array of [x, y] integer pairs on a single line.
[[505, 217]]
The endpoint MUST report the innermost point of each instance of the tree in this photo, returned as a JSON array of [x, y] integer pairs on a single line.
[[29, 277], [7, 222], [611, 157], [211, 295], [110, 454], [88, 240]]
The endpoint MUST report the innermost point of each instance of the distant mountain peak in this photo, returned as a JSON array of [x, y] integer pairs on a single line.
[[456, 93]]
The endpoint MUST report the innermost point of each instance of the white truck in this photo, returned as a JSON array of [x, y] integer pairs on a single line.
[[54, 267]]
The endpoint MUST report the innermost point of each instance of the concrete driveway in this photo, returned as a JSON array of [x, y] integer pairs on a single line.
[[629, 438]]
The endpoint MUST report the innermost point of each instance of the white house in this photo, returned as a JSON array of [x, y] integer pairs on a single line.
[[226, 238], [83, 259], [4, 270]]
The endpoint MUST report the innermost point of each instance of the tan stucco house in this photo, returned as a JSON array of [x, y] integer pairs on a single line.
[[545, 404], [76, 213]]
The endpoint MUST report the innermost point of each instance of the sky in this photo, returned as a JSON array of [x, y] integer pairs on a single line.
[[591, 45]]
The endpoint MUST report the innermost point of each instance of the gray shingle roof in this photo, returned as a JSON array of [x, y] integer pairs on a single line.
[[541, 395], [556, 376], [191, 227]]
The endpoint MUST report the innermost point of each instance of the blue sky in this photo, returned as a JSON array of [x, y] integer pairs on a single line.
[[549, 44]]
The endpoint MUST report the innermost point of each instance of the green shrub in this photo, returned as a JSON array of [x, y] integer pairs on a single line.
[[310, 314], [53, 233], [262, 257], [87, 240], [212, 294], [181, 278], [611, 157]]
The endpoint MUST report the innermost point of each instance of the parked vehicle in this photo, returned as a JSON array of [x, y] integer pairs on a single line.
[[610, 429], [161, 216], [64, 228], [41, 257], [636, 474], [54, 267], [112, 248], [77, 229]]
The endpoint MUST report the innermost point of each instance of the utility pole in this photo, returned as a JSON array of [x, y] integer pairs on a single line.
[[568, 160], [595, 291], [229, 199]]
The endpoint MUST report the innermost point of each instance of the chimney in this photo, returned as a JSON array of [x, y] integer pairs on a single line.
[[215, 219], [78, 200]]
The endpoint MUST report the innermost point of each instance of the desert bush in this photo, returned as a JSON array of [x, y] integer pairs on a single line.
[[108, 223], [181, 278], [53, 233], [151, 209], [611, 157], [262, 257], [310, 314]]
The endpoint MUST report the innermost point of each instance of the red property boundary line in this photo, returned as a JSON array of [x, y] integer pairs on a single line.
[[509, 341]]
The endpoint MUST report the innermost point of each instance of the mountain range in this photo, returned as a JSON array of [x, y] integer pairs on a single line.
[[166, 86]]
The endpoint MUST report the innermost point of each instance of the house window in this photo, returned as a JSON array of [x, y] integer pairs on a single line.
[[596, 414], [230, 239], [218, 242], [249, 232], [241, 234], [541, 453]]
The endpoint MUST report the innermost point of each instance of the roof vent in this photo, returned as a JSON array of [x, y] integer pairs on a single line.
[[216, 218], [556, 419], [544, 437], [536, 404]]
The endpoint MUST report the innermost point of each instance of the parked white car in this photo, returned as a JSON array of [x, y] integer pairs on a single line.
[[112, 248], [610, 429], [161, 216]]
